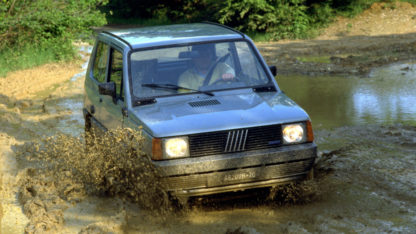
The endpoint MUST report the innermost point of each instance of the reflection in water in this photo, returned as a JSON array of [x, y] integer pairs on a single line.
[[387, 96]]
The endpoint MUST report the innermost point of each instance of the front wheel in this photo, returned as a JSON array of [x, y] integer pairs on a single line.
[[89, 135], [311, 174], [179, 203]]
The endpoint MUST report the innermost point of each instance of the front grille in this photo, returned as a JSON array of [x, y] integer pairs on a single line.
[[235, 140]]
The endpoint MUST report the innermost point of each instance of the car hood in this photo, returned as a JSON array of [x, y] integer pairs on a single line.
[[199, 114]]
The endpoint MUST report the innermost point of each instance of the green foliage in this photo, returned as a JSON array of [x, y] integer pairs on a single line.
[[27, 56], [187, 10], [265, 19], [160, 10], [129, 9], [352, 8], [139, 21], [41, 20], [45, 28], [250, 15], [281, 18], [321, 14], [292, 20]]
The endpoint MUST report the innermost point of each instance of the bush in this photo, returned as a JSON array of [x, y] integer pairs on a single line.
[[282, 18], [36, 21], [27, 56], [266, 19], [47, 27], [321, 14]]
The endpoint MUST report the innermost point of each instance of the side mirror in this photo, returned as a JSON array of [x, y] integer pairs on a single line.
[[108, 88], [273, 69]]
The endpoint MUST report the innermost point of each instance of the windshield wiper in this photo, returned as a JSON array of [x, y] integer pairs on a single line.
[[175, 87], [265, 88], [143, 101]]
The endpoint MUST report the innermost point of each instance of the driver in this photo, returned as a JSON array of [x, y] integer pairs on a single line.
[[203, 60]]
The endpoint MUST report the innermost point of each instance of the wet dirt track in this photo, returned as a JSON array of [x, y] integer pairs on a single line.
[[365, 181]]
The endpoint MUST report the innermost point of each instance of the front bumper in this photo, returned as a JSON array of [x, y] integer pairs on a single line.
[[237, 171]]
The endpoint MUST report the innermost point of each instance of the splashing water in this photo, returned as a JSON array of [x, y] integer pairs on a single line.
[[62, 169]]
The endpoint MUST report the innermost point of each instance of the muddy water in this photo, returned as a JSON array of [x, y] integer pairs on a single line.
[[365, 174], [387, 96]]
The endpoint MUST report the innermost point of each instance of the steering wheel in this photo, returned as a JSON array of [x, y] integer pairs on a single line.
[[211, 70], [219, 81]]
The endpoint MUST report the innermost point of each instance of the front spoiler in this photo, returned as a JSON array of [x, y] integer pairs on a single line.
[[238, 171], [237, 186]]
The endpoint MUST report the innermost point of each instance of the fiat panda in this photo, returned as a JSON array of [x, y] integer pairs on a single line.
[[212, 115]]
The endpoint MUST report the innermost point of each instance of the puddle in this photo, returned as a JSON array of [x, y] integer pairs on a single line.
[[73, 124], [387, 97], [84, 52]]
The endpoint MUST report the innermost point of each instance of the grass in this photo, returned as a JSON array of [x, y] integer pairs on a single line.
[[315, 59], [18, 58]]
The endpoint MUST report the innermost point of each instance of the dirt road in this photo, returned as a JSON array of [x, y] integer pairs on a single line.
[[365, 175], [379, 36]]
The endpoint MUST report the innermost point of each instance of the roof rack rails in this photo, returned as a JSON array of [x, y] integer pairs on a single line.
[[121, 39], [225, 26]]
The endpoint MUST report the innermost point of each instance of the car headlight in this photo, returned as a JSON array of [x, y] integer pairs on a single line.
[[170, 148], [176, 147], [294, 133]]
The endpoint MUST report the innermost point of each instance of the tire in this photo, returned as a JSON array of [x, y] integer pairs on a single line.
[[311, 174], [89, 135]]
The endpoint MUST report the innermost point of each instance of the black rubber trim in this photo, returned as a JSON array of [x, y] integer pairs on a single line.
[[254, 166], [121, 39]]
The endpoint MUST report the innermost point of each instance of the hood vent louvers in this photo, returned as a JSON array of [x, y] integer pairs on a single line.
[[204, 103]]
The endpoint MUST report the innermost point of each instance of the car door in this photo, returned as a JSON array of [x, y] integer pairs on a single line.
[[111, 113], [108, 68]]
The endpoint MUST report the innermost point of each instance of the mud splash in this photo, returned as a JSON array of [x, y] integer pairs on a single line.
[[60, 172]]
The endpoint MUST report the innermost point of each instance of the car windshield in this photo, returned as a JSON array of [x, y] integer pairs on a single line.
[[195, 68]]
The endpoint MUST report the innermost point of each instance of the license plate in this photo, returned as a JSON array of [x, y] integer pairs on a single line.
[[239, 176]]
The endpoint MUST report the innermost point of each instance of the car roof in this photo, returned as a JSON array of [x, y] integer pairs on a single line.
[[137, 38]]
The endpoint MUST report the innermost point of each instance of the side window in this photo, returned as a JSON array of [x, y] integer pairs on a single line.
[[116, 71], [223, 50], [100, 62]]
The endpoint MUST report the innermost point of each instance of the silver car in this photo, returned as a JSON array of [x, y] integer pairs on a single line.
[[221, 128]]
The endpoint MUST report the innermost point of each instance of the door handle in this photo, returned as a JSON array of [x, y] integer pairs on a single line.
[[92, 109]]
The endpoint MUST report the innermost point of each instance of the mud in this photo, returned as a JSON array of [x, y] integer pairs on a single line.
[[61, 171]]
